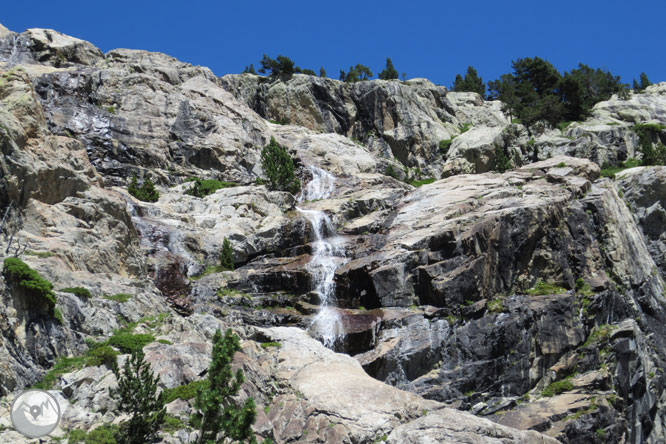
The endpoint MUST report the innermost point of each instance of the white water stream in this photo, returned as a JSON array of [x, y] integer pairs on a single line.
[[328, 254]]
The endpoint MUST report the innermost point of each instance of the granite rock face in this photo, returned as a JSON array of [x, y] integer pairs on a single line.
[[523, 306]]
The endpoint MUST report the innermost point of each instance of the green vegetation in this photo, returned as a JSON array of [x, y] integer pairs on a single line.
[[39, 254], [130, 343], [227, 256], [465, 128], [103, 355], [388, 73], [270, 344], [279, 168], [20, 274], [146, 192], [202, 188], [165, 341], [62, 366], [280, 67], [496, 305], [80, 292], [543, 288], [137, 395], [471, 82], [599, 334], [444, 146], [502, 160], [186, 391], [558, 387], [111, 109], [356, 73], [561, 165], [654, 152], [172, 424], [217, 413], [392, 172], [536, 91], [418, 183], [610, 171], [105, 434], [644, 83], [583, 287], [120, 297]]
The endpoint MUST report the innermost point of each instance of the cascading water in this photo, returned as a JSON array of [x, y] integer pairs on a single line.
[[327, 256]]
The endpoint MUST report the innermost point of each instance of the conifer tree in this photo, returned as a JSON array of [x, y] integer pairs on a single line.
[[137, 395], [279, 168], [389, 72], [219, 417], [470, 83], [227, 257]]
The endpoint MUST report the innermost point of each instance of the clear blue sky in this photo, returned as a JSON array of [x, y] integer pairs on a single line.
[[433, 39]]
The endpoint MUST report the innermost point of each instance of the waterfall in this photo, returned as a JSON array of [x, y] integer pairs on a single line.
[[327, 256]]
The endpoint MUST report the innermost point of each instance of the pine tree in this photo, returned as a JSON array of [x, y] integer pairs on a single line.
[[227, 257], [249, 69], [137, 395], [470, 83], [322, 72], [389, 72], [219, 416], [279, 168]]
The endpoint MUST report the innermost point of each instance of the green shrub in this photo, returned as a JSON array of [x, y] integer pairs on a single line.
[[119, 297], [391, 171], [145, 192], [202, 188], [444, 146], [63, 365], [20, 274], [77, 291], [496, 305], [542, 288], [465, 128], [165, 341], [558, 387], [185, 391], [103, 355], [105, 434], [128, 342], [279, 168], [172, 424], [270, 344], [227, 256], [502, 161]]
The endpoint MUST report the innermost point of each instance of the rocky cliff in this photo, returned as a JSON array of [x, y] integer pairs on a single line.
[[521, 306]]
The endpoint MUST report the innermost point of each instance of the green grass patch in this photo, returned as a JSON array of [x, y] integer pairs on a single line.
[[203, 187], [599, 334], [63, 365], [561, 165], [583, 288], [119, 297], [165, 341], [558, 387], [105, 434], [185, 391], [40, 254], [654, 128], [496, 305], [172, 424], [542, 288], [80, 292], [128, 342], [610, 171], [211, 269], [418, 183], [465, 128], [270, 344]]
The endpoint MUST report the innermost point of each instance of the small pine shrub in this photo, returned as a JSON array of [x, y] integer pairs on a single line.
[[279, 168], [542, 288], [103, 355], [227, 256], [145, 192]]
